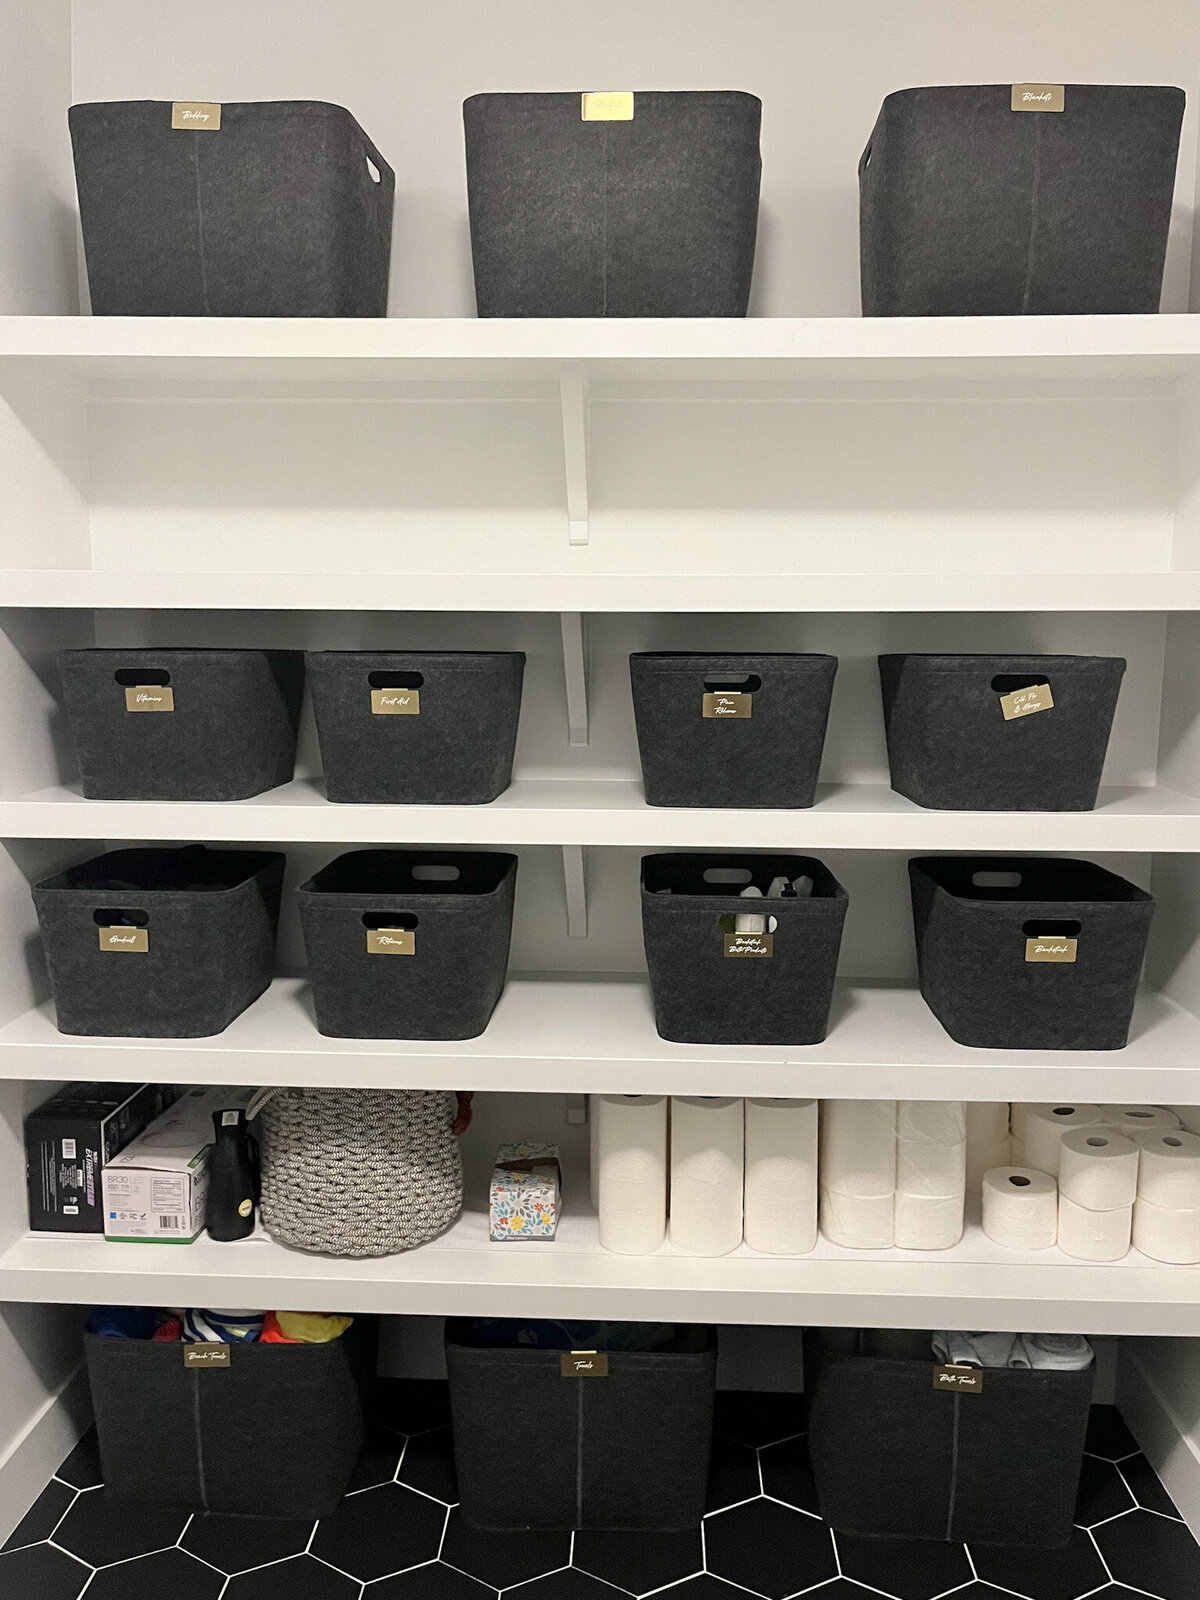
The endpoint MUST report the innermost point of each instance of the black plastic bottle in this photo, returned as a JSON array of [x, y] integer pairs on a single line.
[[230, 1211]]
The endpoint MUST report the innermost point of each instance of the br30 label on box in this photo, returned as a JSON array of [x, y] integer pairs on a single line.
[[391, 942], [1024, 702], [958, 1380], [749, 944], [395, 702], [609, 105], [150, 697], [1051, 949], [125, 941], [1039, 96], [200, 114], [736, 704], [584, 1364]]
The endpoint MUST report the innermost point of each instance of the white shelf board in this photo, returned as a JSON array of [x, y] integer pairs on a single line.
[[568, 1034]]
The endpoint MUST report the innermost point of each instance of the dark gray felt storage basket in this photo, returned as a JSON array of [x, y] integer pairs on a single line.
[[273, 214], [950, 747], [969, 208], [973, 924], [626, 1452], [232, 733], [277, 1433], [458, 906], [457, 749], [704, 996], [651, 217], [209, 917], [769, 758]]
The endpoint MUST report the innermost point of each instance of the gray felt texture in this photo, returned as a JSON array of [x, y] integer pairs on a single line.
[[591, 1438], [458, 750], [449, 986], [231, 735], [971, 951], [969, 208], [703, 996], [211, 918], [275, 214], [769, 759], [949, 747], [655, 217]]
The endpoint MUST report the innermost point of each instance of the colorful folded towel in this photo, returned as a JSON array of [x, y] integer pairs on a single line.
[[222, 1327], [303, 1327]]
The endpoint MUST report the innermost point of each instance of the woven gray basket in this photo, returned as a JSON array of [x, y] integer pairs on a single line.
[[357, 1172]]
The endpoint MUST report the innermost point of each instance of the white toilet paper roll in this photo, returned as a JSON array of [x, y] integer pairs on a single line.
[[1189, 1117], [860, 1222], [858, 1147], [1169, 1169], [631, 1163], [781, 1176], [935, 1121], [1093, 1235], [928, 1222], [1020, 1208], [707, 1174], [986, 1121], [1098, 1169], [924, 1168], [1138, 1119], [1166, 1234], [1044, 1127], [982, 1158]]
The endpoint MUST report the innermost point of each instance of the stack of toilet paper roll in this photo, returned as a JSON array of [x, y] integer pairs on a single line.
[[1020, 1208], [988, 1141], [1041, 1127], [931, 1173], [1166, 1212], [708, 1164], [629, 1171], [858, 1173], [1097, 1185], [781, 1176]]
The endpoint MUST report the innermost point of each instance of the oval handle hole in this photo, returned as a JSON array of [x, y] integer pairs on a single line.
[[1039, 928], [389, 919], [750, 684], [996, 880], [395, 680], [727, 875], [1010, 682], [374, 171], [436, 874], [138, 677], [117, 917]]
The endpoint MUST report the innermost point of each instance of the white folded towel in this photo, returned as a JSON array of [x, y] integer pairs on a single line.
[[1046, 1352], [1056, 1352], [974, 1349]]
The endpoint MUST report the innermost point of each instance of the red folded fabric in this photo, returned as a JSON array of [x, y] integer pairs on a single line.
[[272, 1334]]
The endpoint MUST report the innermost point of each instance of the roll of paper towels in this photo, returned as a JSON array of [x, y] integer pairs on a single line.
[[1020, 1208], [1169, 1169], [928, 1222], [860, 1222], [1138, 1119], [858, 1147], [1098, 1169], [924, 1168], [707, 1174], [781, 1176], [1166, 1234], [938, 1121], [1093, 1235], [1044, 1127], [982, 1158], [986, 1121], [631, 1163]]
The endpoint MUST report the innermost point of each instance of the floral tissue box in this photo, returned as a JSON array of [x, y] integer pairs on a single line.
[[526, 1190]]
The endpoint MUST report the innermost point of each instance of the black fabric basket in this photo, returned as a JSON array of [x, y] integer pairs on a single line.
[[448, 986], [894, 1458], [971, 950], [767, 759], [703, 996], [969, 208], [273, 214], [232, 733], [951, 749], [276, 1433], [651, 217], [457, 749], [210, 918], [625, 1452]]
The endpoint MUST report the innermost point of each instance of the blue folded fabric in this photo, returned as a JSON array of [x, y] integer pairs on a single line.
[[222, 1327], [123, 1322]]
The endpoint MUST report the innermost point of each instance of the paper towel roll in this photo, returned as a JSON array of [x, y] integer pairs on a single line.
[[936, 1121], [1166, 1234], [707, 1174], [1138, 1119], [1093, 1235], [858, 1147], [1044, 1127], [1169, 1169], [631, 1163], [1020, 1208], [1098, 1169], [781, 1176], [924, 1168], [928, 1222], [982, 1158], [861, 1222], [986, 1121]]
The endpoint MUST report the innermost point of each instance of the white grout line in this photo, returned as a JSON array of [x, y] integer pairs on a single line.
[[307, 1547], [664, 1588], [47, 1537], [971, 1563], [762, 1486], [263, 1565], [788, 1506], [1137, 1503], [186, 1526], [1104, 1522], [1095, 1546], [341, 1570], [72, 1555], [836, 1553], [400, 1459], [750, 1500], [194, 1557], [125, 1560], [442, 1536]]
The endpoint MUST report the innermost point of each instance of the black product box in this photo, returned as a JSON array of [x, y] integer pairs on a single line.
[[67, 1141]]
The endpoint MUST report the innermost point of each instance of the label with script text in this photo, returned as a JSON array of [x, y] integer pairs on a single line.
[[202, 115], [391, 942], [125, 941], [1039, 96]]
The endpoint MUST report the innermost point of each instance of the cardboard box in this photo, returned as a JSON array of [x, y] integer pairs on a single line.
[[525, 1199], [69, 1140], [156, 1188]]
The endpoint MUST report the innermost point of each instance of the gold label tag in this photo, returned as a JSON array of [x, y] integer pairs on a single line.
[[1024, 702], [396, 703], [202, 114], [1051, 949], [737, 704], [150, 697], [206, 1355], [391, 942], [1039, 96], [749, 944], [585, 1364], [126, 941], [958, 1380], [611, 105]]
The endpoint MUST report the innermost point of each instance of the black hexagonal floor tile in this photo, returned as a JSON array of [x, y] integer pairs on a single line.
[[1102, 1492], [1152, 1553], [235, 1544], [43, 1516], [379, 1460], [412, 1405], [1145, 1487], [428, 1465], [768, 1548], [1045, 1574], [732, 1474], [82, 1468], [569, 1585], [99, 1532], [502, 1560], [1107, 1434], [639, 1562], [301, 1578], [42, 1573], [380, 1531], [757, 1418], [170, 1573], [787, 1474], [909, 1569], [437, 1582]]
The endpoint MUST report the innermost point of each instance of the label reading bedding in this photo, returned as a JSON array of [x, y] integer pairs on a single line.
[[1039, 96], [1051, 949], [609, 105], [391, 942], [1024, 702], [125, 941], [749, 944], [202, 115], [395, 702], [736, 704]]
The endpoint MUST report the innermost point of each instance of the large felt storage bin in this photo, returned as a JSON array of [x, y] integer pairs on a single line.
[[968, 207], [194, 931], [654, 215], [704, 991], [229, 730], [951, 748], [276, 1433], [1029, 953], [267, 209], [416, 727], [624, 1452], [760, 748], [440, 971]]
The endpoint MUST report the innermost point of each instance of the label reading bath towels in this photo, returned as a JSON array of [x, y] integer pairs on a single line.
[[391, 942], [395, 702], [737, 704], [125, 941], [750, 944], [584, 1364], [958, 1380], [1051, 949], [1039, 96], [150, 697], [1024, 702], [610, 105], [200, 114]]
